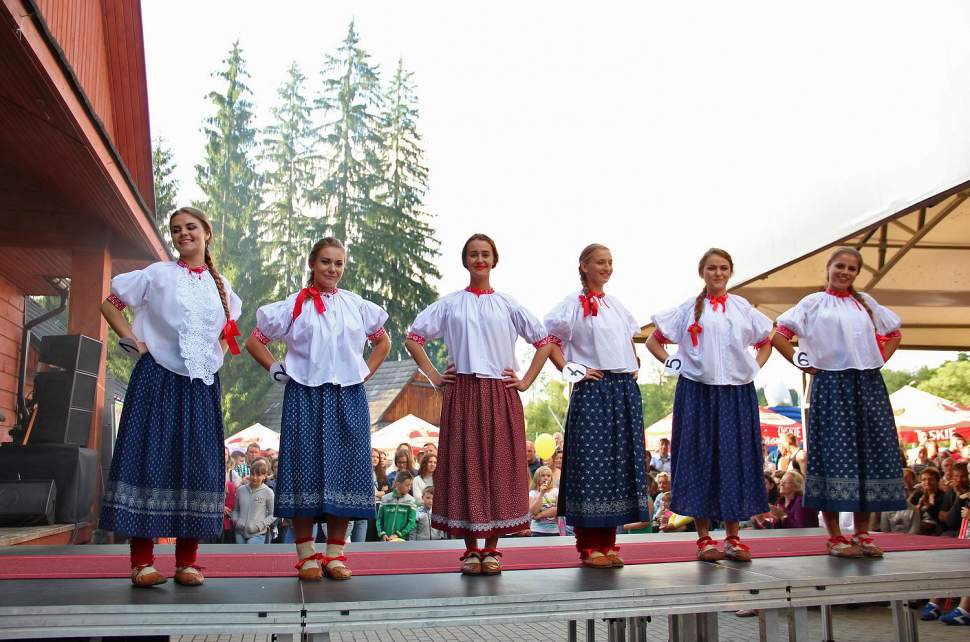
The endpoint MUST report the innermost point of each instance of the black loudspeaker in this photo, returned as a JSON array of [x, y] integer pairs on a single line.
[[27, 503], [75, 471], [65, 394]]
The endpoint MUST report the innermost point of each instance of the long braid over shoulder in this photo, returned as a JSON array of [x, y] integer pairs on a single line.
[[200, 216], [714, 251]]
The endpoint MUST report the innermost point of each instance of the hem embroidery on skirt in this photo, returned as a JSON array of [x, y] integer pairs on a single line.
[[481, 526], [163, 500], [310, 500], [594, 508], [835, 489]]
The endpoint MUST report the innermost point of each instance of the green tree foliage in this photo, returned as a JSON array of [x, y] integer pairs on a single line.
[[658, 399], [232, 189], [289, 151], [546, 413], [896, 379], [951, 380], [166, 185], [400, 242]]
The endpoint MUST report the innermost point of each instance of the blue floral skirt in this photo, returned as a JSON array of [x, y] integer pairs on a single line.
[[167, 475], [604, 468], [853, 449], [716, 464], [324, 464]]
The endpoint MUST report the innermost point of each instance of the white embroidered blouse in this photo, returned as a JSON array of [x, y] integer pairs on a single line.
[[178, 315], [836, 332], [479, 329], [595, 334], [324, 333], [715, 350]]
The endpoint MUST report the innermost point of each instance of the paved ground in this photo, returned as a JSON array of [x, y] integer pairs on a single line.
[[866, 624]]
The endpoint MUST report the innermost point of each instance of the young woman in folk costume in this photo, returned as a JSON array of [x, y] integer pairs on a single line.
[[168, 475], [844, 338], [481, 483], [324, 462], [716, 440], [604, 471]]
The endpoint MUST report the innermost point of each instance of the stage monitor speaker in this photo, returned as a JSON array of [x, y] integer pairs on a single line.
[[74, 470], [27, 503], [65, 394], [71, 352]]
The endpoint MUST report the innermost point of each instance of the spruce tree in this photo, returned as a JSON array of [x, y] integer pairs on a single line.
[[231, 184], [402, 239], [166, 185], [288, 149]]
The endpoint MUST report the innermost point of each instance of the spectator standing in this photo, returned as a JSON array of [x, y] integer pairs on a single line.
[[240, 468], [661, 461], [542, 504], [957, 496], [425, 476], [556, 467], [403, 460], [531, 459], [906, 520], [927, 499], [398, 512], [252, 514], [423, 530]]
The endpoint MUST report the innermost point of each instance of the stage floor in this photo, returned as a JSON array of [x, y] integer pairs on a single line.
[[99, 607]]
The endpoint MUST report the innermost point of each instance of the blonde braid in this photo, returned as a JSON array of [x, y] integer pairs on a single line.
[[699, 305], [862, 302], [219, 285]]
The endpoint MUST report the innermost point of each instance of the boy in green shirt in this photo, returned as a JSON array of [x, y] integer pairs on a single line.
[[396, 516]]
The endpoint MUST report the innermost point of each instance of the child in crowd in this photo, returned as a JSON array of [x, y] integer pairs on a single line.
[[423, 529], [253, 513], [397, 515], [542, 504], [239, 467]]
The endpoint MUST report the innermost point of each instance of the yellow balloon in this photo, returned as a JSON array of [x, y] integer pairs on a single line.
[[545, 446]]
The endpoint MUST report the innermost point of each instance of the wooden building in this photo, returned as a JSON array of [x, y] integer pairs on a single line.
[[76, 191]]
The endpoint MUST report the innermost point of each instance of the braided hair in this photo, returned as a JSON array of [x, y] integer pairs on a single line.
[[327, 241], [200, 216], [584, 257], [699, 302], [851, 251]]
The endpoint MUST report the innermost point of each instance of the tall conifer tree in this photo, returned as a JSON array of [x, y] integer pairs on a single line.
[[288, 148], [166, 185], [231, 185]]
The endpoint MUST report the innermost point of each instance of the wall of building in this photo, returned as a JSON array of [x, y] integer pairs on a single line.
[[11, 326], [419, 399]]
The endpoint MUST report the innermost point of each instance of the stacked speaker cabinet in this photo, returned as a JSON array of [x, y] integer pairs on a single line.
[[65, 392]]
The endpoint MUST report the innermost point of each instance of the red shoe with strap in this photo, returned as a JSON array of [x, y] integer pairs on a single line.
[[839, 546], [336, 571], [491, 564], [471, 562], [312, 573], [735, 551], [864, 542], [707, 550]]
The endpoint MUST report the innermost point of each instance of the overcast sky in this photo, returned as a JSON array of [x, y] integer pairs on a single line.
[[659, 129]]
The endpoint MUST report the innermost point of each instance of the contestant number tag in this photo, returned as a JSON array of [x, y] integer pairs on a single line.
[[801, 359], [277, 373], [672, 365], [574, 372]]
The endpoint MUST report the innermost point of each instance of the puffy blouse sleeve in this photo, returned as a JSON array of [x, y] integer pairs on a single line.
[[886, 321], [792, 322], [759, 326], [559, 321], [527, 325], [628, 319], [374, 317], [273, 320], [430, 322], [131, 288], [671, 323]]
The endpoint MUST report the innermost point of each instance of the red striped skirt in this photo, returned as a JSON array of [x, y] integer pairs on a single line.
[[481, 485]]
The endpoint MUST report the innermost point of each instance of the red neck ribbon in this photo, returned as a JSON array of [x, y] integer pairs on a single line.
[[479, 291], [843, 294], [715, 300], [194, 270], [591, 303], [309, 293]]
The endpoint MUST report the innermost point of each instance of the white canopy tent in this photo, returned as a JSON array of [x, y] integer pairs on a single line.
[[919, 412], [415, 431], [267, 438]]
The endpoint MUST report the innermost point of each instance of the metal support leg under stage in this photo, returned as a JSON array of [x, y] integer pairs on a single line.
[[825, 611], [798, 624], [616, 629], [636, 629], [904, 621], [769, 625]]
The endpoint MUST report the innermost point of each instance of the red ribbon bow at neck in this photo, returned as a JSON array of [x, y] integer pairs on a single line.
[[308, 293], [197, 271], [591, 304], [715, 300], [229, 332]]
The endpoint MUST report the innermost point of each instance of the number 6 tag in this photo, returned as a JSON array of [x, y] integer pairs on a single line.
[[673, 365], [573, 372], [800, 359]]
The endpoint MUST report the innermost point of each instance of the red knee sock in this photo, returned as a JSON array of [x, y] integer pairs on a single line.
[[142, 551], [186, 551], [595, 539]]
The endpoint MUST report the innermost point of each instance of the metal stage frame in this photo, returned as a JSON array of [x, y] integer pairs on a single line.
[[690, 594]]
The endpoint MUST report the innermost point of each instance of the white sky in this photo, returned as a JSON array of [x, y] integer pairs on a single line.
[[659, 129]]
